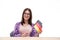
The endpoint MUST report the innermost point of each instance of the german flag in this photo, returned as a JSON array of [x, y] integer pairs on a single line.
[[38, 26]]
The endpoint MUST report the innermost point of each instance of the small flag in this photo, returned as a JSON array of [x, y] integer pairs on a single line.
[[38, 26]]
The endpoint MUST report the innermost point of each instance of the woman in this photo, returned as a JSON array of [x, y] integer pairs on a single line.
[[25, 27]]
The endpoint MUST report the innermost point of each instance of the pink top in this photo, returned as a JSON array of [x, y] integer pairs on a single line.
[[25, 30]]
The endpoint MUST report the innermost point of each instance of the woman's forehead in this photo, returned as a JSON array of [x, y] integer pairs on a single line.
[[27, 11]]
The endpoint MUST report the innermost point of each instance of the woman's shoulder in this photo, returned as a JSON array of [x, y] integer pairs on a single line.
[[32, 24], [20, 23], [17, 23]]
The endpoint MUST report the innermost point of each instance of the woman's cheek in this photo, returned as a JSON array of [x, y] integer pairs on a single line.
[[28, 16], [25, 18]]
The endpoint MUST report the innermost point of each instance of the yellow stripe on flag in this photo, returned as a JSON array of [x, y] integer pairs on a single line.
[[37, 28]]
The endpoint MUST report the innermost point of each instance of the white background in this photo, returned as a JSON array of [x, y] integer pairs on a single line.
[[47, 11]]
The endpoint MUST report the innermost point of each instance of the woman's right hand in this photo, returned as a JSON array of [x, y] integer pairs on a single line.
[[24, 34]]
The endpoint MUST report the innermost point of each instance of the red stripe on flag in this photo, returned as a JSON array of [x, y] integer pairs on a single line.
[[39, 26]]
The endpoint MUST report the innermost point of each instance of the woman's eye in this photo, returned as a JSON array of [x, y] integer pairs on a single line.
[[27, 13]]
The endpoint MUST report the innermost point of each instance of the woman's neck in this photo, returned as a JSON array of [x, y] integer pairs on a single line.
[[26, 22]]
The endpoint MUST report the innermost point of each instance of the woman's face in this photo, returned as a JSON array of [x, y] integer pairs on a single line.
[[26, 15]]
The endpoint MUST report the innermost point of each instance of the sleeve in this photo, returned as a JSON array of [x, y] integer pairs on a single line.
[[34, 33], [15, 33]]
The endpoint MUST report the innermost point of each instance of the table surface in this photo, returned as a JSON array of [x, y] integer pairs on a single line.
[[29, 38]]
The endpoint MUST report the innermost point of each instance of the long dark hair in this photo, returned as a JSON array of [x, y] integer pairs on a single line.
[[30, 19]]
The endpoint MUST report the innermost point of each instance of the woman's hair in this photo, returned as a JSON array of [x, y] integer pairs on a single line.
[[30, 19]]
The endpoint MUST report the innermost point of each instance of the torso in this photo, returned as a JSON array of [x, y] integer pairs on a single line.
[[25, 29]]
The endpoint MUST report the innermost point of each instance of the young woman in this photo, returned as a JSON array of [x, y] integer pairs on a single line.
[[25, 27]]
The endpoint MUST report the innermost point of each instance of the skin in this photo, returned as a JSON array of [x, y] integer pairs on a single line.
[[26, 18]]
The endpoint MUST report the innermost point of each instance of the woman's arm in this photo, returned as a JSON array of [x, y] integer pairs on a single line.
[[15, 33], [34, 33]]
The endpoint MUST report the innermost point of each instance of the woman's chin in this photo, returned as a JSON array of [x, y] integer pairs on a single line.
[[26, 19]]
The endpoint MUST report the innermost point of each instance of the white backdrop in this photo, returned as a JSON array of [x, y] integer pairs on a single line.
[[47, 11]]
